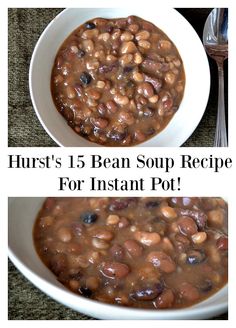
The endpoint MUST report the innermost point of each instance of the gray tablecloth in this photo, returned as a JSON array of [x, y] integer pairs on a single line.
[[25, 27]]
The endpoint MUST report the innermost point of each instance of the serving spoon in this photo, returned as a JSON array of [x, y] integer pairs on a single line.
[[215, 40]]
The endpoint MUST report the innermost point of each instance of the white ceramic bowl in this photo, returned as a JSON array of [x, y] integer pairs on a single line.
[[172, 23], [22, 213]]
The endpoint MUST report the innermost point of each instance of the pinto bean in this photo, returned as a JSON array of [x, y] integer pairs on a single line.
[[187, 226], [144, 44], [168, 212], [164, 45], [104, 234], [112, 219], [115, 270], [142, 35], [126, 36], [138, 58], [104, 36], [199, 237], [133, 248], [99, 243], [146, 89], [100, 123], [126, 117], [88, 45], [162, 260], [121, 100], [147, 238]]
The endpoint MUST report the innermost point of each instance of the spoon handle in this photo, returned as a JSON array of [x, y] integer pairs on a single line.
[[220, 135]]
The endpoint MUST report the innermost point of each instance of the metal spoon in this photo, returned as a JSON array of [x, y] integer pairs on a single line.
[[215, 40]]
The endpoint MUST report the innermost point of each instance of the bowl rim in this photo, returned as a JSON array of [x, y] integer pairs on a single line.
[[178, 142], [61, 295]]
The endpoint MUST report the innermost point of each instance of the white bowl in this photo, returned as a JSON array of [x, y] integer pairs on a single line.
[[172, 23], [22, 214]]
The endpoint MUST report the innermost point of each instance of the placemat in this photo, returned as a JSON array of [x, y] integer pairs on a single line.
[[24, 128], [26, 302]]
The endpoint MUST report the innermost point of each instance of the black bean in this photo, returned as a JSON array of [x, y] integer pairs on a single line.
[[90, 25], [127, 69], [85, 78], [195, 256], [89, 217], [86, 292]]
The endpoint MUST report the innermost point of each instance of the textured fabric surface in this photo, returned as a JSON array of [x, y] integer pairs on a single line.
[[25, 130], [26, 302]]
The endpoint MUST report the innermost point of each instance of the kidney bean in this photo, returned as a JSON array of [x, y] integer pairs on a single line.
[[199, 237], [147, 238], [222, 243], [188, 292], [115, 270], [187, 226], [162, 260], [165, 300], [99, 122], [147, 293], [133, 248], [195, 256]]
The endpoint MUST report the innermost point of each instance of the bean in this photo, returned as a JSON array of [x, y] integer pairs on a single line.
[[152, 204], [138, 77], [154, 99], [128, 47], [142, 35], [165, 300], [146, 89], [115, 270], [74, 49], [85, 78], [125, 59], [86, 292], [88, 45], [88, 217], [116, 34], [77, 261], [170, 78], [112, 106], [74, 284], [123, 223], [90, 25], [138, 58], [144, 44], [92, 64], [187, 226], [89, 34], [133, 28], [104, 37], [64, 234], [100, 54], [126, 36], [58, 263], [121, 100], [100, 84], [94, 94], [222, 243], [199, 237], [104, 235], [164, 45], [99, 243], [139, 136], [168, 212], [147, 293], [80, 53], [117, 252], [92, 283], [111, 58], [162, 260], [195, 256], [216, 217], [148, 112], [147, 238], [126, 117], [188, 292], [133, 248], [112, 219]]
